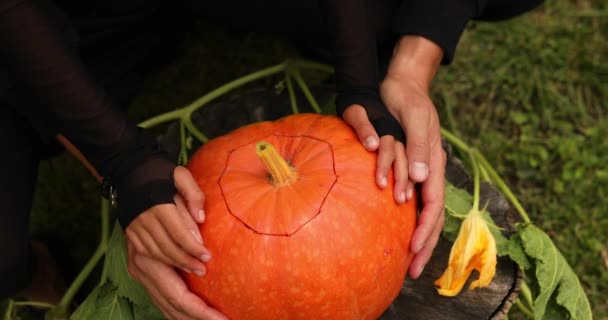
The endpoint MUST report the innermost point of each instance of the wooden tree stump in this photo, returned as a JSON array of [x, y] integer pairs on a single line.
[[418, 299]]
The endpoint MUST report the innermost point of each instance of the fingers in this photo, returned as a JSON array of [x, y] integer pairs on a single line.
[[161, 233], [172, 253], [180, 205], [386, 156], [431, 219], [417, 123], [423, 257], [400, 169], [356, 117], [191, 193], [168, 290]]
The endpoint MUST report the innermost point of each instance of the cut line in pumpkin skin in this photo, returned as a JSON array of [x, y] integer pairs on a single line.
[[302, 179]]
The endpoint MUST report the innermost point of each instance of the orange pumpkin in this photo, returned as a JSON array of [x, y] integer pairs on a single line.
[[308, 237]]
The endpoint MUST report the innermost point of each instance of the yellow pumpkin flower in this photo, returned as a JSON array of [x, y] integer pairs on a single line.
[[474, 249]]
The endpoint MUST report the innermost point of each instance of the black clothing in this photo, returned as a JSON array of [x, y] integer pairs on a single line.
[[18, 171], [68, 62]]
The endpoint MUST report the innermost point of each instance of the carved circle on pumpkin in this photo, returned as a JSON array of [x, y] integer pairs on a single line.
[[263, 210]]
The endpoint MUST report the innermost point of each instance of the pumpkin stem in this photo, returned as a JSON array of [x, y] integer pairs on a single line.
[[281, 172]]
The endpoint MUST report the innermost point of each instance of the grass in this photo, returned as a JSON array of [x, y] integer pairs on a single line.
[[531, 94]]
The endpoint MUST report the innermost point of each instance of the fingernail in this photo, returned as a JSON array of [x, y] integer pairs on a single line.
[[402, 197], [205, 257], [410, 193], [420, 270], [383, 182], [420, 171], [199, 273], [186, 270], [371, 143], [197, 236], [201, 216]]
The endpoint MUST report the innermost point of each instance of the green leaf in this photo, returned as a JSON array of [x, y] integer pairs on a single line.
[[104, 302], [147, 313], [514, 248], [556, 279], [115, 268], [457, 202], [330, 106], [88, 308], [110, 305]]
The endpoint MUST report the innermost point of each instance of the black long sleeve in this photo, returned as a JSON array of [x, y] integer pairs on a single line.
[[47, 66], [443, 21], [356, 63], [355, 44]]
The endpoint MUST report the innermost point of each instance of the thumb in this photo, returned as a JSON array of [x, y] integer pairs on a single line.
[[416, 122], [356, 117]]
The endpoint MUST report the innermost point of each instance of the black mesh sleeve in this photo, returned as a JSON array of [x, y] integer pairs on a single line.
[[356, 63], [46, 66]]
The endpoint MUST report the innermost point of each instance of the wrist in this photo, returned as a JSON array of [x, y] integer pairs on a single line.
[[415, 58]]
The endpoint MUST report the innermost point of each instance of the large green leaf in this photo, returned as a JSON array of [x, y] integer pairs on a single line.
[[555, 278], [104, 303], [115, 268], [515, 250], [111, 306], [457, 202], [88, 308], [120, 296]]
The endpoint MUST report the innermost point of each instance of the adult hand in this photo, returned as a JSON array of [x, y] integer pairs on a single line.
[[168, 290], [167, 236], [168, 232], [404, 91], [410, 104]]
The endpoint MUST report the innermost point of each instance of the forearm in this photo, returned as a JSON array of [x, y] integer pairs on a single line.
[[415, 58], [44, 61]]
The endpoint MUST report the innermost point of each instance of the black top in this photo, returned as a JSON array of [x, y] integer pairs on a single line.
[[46, 63]]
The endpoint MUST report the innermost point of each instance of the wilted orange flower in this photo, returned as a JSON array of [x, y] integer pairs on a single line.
[[474, 248]]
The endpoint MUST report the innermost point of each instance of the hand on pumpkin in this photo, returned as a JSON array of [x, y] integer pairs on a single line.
[[404, 91], [167, 236]]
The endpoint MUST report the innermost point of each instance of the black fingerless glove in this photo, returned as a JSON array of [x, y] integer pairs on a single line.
[[142, 179], [381, 119]]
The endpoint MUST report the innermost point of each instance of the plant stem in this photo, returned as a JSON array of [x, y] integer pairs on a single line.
[[214, 94], [66, 300], [502, 186], [527, 294], [484, 174], [451, 138], [183, 154], [472, 154], [306, 64], [162, 118], [193, 130], [524, 309], [35, 304], [305, 90], [280, 171], [185, 112], [490, 171], [105, 232], [9, 310], [292, 95]]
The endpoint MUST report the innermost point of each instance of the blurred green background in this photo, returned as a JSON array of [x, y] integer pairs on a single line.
[[530, 93]]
